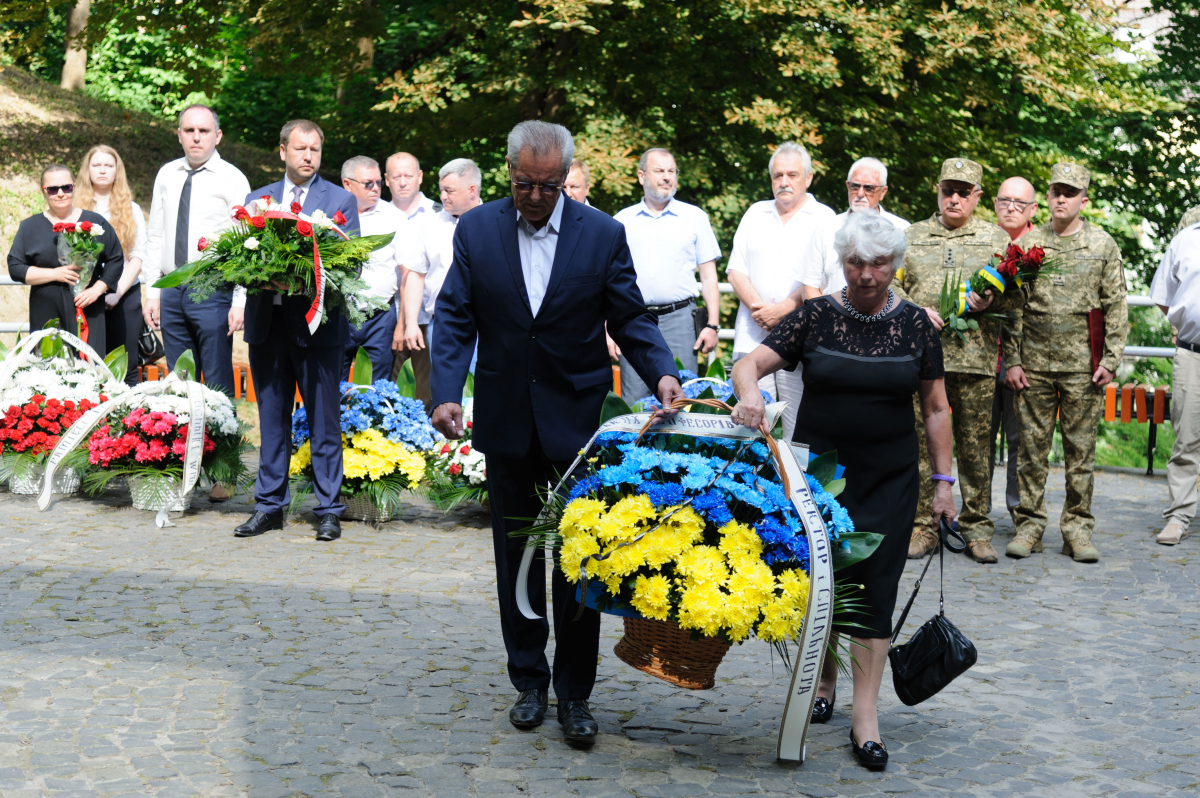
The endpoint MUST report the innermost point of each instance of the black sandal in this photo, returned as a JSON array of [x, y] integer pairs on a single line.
[[872, 755], [823, 709]]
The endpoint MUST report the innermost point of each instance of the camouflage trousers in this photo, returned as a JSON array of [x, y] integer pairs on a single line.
[[971, 397], [1077, 403]]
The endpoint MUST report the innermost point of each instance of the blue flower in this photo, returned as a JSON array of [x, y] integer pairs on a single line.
[[712, 506], [663, 494], [585, 486], [300, 431]]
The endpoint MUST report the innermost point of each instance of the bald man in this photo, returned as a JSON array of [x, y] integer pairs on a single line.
[[1016, 204]]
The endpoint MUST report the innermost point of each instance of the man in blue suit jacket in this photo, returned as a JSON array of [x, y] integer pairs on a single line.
[[534, 279], [283, 354]]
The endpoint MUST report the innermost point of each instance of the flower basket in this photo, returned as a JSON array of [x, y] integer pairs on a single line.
[[150, 493], [663, 650], [66, 481], [361, 508]]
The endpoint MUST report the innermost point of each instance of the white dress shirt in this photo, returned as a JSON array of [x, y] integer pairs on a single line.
[[767, 250], [537, 249], [382, 272], [1176, 284], [821, 267], [423, 207], [215, 190], [289, 187], [430, 252], [667, 248]]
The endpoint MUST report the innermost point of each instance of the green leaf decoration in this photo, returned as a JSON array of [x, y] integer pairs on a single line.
[[823, 468], [4, 351], [376, 242], [181, 275], [118, 363], [716, 369], [972, 324], [861, 546], [835, 487], [185, 367], [406, 381], [679, 364], [362, 367], [469, 388], [613, 406]]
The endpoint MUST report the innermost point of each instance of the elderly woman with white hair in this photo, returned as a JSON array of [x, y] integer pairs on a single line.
[[864, 354]]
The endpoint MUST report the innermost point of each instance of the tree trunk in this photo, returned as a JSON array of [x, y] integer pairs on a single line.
[[74, 71], [366, 58]]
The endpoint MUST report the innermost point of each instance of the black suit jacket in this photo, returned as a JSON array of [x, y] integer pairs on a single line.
[[552, 371], [260, 307]]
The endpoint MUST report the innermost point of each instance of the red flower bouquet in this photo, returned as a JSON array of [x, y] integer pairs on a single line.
[[142, 437], [35, 427]]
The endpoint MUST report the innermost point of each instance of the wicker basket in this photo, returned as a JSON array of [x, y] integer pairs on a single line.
[[359, 508], [66, 481], [145, 497], [662, 649]]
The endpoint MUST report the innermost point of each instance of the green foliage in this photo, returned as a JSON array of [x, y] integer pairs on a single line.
[[613, 407], [362, 367], [185, 366], [406, 381], [716, 370], [118, 363], [854, 547], [823, 467]]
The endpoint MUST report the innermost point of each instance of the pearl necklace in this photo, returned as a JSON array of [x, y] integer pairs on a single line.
[[876, 317]]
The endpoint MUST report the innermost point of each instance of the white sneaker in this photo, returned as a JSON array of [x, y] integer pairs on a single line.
[[1172, 533]]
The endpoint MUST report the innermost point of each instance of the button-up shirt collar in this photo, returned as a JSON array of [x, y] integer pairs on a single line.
[[288, 198], [1176, 284], [537, 248], [421, 208]]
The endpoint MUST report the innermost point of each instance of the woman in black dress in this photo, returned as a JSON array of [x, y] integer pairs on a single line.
[[865, 354], [33, 260]]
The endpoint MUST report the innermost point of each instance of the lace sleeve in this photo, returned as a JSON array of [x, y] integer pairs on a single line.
[[932, 367], [787, 339]]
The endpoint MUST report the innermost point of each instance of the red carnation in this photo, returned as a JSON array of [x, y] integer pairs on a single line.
[[202, 244], [295, 207], [258, 221], [339, 219], [240, 213], [85, 227], [304, 228]]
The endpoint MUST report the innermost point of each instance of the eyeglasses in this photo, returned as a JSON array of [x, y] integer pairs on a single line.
[[550, 189], [965, 193], [1009, 202], [864, 188], [69, 188], [369, 185]]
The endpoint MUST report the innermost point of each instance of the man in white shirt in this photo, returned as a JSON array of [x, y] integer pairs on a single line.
[[194, 198], [403, 174], [579, 182], [670, 241], [764, 266], [866, 186], [428, 260], [361, 177], [1176, 291]]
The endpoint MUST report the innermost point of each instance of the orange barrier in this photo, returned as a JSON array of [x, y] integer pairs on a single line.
[[1141, 404], [1110, 402]]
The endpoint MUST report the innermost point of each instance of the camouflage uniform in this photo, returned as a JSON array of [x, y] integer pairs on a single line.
[[1049, 340], [934, 254]]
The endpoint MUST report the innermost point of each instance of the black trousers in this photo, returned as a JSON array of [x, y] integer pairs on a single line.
[[512, 490], [123, 327]]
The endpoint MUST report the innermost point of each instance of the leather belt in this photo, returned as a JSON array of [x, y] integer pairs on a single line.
[[1190, 347], [662, 310]]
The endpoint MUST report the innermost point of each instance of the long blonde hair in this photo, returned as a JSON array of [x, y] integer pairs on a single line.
[[120, 200]]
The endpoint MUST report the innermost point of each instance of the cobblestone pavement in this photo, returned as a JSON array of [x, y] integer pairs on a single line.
[[181, 662]]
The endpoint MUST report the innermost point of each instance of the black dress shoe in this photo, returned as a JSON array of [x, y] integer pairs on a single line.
[[258, 523], [579, 727], [330, 527], [530, 709], [872, 755], [823, 709]]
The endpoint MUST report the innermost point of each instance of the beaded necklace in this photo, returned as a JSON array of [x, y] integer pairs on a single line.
[[875, 317]]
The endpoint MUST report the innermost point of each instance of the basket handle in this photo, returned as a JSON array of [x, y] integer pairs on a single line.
[[679, 404]]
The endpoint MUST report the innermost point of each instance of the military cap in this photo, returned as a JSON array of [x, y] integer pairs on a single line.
[[963, 171], [1070, 174]]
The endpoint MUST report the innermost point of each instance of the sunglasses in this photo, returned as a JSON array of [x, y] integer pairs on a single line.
[[527, 188], [369, 185], [965, 193], [865, 188], [69, 188]]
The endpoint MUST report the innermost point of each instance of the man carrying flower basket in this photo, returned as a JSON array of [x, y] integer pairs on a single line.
[[534, 280]]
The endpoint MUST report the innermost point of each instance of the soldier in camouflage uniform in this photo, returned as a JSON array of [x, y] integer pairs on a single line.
[[1050, 363], [953, 244]]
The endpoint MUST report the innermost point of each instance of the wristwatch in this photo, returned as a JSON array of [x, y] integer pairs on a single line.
[[712, 327]]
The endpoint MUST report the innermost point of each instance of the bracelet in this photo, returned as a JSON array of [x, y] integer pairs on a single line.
[[712, 327], [942, 478]]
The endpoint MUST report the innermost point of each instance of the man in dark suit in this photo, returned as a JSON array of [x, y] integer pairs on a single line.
[[534, 279], [283, 354]]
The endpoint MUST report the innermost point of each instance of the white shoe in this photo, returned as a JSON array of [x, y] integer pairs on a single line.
[[1172, 533]]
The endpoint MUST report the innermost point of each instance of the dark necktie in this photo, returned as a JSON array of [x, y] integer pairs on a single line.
[[181, 221]]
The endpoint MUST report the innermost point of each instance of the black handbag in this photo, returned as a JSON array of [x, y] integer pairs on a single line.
[[937, 653], [150, 346]]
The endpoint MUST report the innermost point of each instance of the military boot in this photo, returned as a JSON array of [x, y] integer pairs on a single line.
[[1022, 546], [1081, 549], [922, 542], [981, 551]]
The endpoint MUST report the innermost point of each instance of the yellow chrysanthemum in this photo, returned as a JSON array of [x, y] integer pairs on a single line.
[[300, 460], [651, 596], [782, 619], [740, 538], [572, 554], [702, 565], [687, 522], [794, 583], [581, 516], [700, 608], [751, 585], [626, 519]]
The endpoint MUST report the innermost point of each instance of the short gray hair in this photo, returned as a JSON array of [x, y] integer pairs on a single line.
[[869, 236], [465, 168], [541, 138], [645, 159], [216, 121], [871, 164], [352, 165], [790, 148]]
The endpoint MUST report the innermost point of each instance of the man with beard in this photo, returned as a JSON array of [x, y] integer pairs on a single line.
[[670, 240]]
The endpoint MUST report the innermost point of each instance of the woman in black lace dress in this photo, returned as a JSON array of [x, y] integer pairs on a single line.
[[865, 354]]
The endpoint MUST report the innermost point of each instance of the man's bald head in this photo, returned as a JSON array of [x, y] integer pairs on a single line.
[[403, 175], [1016, 203]]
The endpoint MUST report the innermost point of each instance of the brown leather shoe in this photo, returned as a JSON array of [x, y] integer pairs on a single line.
[[981, 551], [923, 541]]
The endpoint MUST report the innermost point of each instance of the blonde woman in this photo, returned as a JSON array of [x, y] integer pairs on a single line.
[[103, 188]]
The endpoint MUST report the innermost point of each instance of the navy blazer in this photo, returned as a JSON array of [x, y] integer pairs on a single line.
[[552, 370], [335, 331]]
